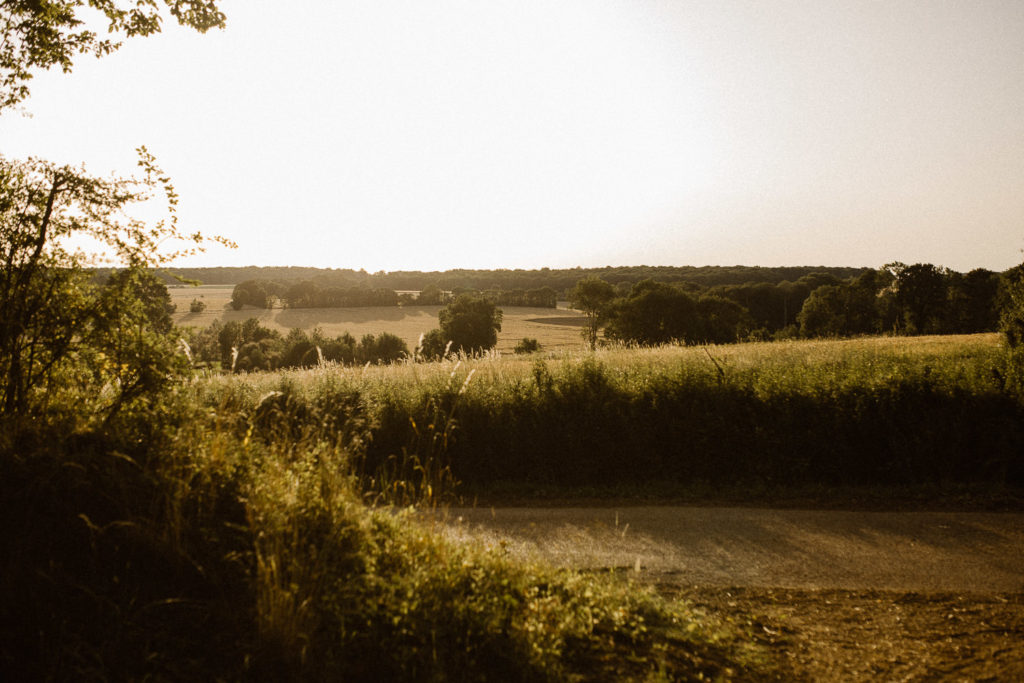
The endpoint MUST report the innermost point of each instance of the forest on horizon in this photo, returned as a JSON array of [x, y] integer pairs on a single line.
[[504, 278]]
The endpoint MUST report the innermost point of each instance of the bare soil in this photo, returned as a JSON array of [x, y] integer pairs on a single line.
[[867, 635], [831, 594]]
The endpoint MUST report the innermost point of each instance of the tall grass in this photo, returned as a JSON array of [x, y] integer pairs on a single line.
[[890, 411]]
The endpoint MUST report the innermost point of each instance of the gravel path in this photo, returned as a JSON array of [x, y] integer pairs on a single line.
[[795, 549]]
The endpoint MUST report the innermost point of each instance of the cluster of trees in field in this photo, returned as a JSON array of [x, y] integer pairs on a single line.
[[898, 298], [467, 324], [541, 297], [249, 346], [907, 299]]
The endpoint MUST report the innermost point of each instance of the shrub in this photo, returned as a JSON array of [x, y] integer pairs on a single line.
[[383, 348], [527, 345], [433, 345]]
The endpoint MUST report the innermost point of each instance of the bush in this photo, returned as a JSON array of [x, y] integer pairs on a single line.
[[383, 348], [433, 345], [527, 345]]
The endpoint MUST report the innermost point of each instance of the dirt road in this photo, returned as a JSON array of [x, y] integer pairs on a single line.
[[802, 549], [831, 595]]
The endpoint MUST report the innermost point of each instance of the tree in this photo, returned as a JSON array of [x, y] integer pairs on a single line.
[[41, 34], [249, 346], [203, 344], [50, 308], [840, 310], [131, 335], [383, 348], [721, 321], [470, 323], [920, 296], [972, 302], [653, 313], [251, 293], [593, 296], [52, 315], [340, 349], [431, 295], [298, 350], [432, 346], [1011, 316]]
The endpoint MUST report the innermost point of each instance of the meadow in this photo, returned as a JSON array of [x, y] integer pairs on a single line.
[[553, 328]]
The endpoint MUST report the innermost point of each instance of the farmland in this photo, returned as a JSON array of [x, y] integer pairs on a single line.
[[553, 328]]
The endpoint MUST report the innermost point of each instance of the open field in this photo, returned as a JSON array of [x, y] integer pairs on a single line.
[[553, 328]]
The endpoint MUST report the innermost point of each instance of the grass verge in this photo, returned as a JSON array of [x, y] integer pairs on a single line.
[[196, 544]]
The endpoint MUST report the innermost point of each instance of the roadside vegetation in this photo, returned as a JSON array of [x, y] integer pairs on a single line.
[[196, 542]]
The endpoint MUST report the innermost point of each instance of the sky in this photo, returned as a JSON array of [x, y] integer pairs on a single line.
[[525, 134]]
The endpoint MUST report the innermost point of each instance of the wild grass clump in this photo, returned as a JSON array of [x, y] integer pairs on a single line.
[[227, 538]]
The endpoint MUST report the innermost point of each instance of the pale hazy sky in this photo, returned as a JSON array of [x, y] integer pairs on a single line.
[[474, 134]]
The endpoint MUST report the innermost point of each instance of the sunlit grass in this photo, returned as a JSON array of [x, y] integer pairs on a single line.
[[872, 410]]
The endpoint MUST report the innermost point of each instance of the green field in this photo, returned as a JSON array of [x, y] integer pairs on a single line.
[[553, 328]]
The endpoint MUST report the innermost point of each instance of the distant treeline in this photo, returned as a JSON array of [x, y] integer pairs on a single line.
[[317, 294], [898, 298], [905, 299], [559, 280]]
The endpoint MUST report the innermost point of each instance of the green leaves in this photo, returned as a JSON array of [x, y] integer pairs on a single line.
[[470, 323], [52, 314], [41, 34]]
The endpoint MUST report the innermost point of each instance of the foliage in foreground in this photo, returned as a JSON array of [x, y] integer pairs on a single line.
[[57, 327], [182, 543]]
